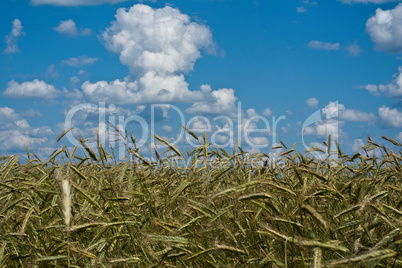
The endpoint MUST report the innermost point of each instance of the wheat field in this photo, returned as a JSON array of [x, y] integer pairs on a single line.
[[223, 209]]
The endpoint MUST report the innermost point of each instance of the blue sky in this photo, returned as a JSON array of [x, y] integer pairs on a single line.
[[274, 59]]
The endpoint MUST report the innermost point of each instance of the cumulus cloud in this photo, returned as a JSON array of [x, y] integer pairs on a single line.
[[335, 117], [151, 88], [74, 2], [323, 129], [223, 103], [393, 89], [200, 125], [16, 139], [159, 46], [162, 40], [390, 117], [323, 45], [16, 133], [11, 39], [355, 115], [312, 103], [385, 29], [10, 119], [69, 28], [35, 89], [79, 61]]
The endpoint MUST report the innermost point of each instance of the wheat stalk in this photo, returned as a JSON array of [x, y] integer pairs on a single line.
[[66, 204]]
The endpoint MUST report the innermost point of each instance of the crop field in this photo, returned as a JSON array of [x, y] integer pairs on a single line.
[[221, 209]]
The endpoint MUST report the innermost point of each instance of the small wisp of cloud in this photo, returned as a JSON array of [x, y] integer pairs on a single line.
[[11, 39], [69, 28], [353, 49], [315, 44]]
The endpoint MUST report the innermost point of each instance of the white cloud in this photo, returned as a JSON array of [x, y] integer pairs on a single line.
[[16, 133], [69, 28], [30, 113], [11, 39], [351, 114], [390, 117], [312, 103], [354, 115], [9, 118], [385, 29], [357, 145], [309, 131], [79, 61], [34, 89], [267, 112], [159, 46], [251, 113], [373, 89], [162, 40], [357, 116], [323, 45], [74, 2], [223, 103], [16, 139], [198, 125], [151, 88], [393, 89], [6, 112], [22, 123], [86, 31], [75, 95], [331, 125], [258, 141], [353, 49], [220, 139], [323, 129], [167, 128]]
